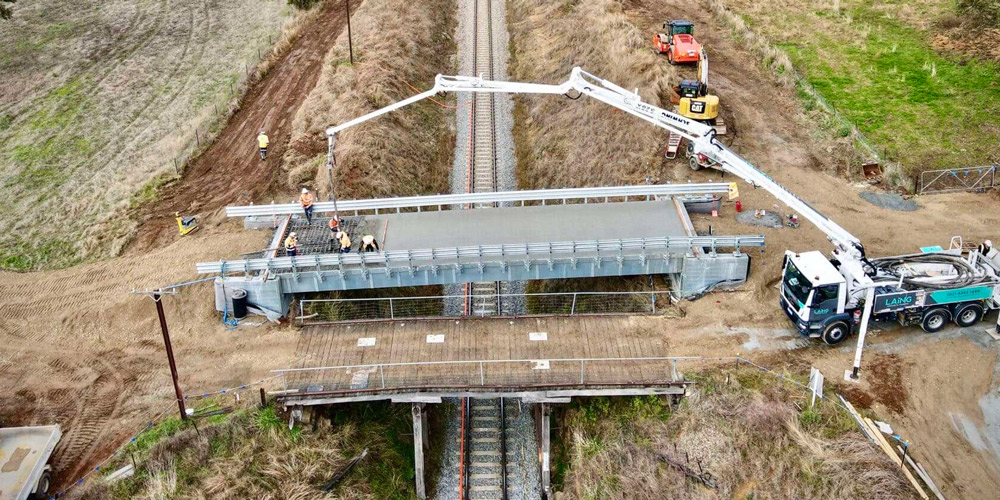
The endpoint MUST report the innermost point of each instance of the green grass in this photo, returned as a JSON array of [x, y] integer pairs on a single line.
[[927, 110]]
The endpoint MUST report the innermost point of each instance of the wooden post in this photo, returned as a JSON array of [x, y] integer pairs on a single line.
[[419, 437], [546, 444], [350, 40]]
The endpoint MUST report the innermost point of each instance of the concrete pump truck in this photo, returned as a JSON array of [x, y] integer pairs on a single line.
[[826, 298]]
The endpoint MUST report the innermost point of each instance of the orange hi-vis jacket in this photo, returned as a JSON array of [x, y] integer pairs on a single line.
[[306, 199]]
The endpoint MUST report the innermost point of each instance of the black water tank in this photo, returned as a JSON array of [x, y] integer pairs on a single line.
[[239, 303]]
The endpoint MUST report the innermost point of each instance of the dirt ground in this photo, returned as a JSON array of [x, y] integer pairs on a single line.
[[79, 350], [230, 171]]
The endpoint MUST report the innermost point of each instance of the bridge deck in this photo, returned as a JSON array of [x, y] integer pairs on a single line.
[[506, 225], [596, 345]]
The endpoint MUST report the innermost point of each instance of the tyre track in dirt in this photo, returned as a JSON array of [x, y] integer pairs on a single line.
[[229, 170], [115, 148]]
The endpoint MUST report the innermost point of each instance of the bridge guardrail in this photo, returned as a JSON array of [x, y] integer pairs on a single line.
[[501, 252], [397, 204]]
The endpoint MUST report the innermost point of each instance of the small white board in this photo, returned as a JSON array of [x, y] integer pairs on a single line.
[[992, 333], [435, 338], [540, 364], [366, 342], [536, 336]]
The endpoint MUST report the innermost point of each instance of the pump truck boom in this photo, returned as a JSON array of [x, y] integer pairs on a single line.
[[811, 282]]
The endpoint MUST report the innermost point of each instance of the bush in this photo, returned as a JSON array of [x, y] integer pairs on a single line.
[[983, 11], [303, 4]]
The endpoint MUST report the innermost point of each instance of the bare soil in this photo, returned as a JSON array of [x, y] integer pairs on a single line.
[[231, 171]]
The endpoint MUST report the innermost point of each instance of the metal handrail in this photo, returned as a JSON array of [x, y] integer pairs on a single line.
[[501, 252], [479, 379], [536, 294], [496, 361], [439, 201]]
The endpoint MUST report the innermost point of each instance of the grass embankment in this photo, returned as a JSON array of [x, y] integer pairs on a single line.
[[562, 143], [252, 454], [408, 152], [925, 109], [756, 436], [97, 99]]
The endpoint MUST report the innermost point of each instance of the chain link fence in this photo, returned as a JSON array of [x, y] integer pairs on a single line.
[[534, 304]]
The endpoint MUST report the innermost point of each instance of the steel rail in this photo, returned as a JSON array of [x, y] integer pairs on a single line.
[[473, 254], [444, 200]]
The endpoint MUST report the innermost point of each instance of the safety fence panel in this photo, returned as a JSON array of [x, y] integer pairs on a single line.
[[952, 180]]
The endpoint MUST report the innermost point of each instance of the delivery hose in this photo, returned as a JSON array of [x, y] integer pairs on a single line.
[[964, 273]]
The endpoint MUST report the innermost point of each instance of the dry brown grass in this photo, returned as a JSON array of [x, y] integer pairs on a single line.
[[407, 152], [97, 98], [749, 434], [252, 454], [561, 143]]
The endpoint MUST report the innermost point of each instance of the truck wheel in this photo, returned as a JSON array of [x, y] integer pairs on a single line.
[[670, 55], [42, 488], [934, 320], [835, 333], [968, 315], [693, 162]]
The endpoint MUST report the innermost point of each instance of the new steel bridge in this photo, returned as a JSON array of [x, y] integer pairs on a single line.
[[527, 235]]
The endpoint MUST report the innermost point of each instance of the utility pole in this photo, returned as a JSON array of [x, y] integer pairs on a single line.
[[331, 160], [170, 352], [350, 42]]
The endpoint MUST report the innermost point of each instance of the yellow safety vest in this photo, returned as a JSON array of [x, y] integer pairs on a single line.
[[345, 241], [291, 242], [262, 140]]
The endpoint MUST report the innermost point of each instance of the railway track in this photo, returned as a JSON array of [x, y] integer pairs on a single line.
[[487, 475], [482, 299]]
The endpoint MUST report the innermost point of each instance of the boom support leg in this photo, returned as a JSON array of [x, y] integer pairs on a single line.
[[865, 317]]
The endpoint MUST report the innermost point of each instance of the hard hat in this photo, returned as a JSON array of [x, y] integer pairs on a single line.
[[988, 243], [304, 190], [292, 233]]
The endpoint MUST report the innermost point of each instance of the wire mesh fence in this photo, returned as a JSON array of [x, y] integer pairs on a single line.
[[517, 304]]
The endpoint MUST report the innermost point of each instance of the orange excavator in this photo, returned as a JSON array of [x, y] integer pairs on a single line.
[[678, 42]]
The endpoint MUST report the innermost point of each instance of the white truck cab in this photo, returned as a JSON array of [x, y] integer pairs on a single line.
[[814, 296]]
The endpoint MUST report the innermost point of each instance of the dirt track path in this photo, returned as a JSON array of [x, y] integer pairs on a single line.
[[230, 170]]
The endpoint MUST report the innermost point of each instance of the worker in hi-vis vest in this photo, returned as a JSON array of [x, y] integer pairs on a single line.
[[262, 142], [368, 244], [291, 245], [306, 199], [345, 241]]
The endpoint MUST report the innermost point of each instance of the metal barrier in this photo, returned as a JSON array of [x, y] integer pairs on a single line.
[[438, 202], [322, 311], [952, 180], [405, 259], [522, 374]]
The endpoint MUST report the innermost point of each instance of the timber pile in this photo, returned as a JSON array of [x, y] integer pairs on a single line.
[[870, 429]]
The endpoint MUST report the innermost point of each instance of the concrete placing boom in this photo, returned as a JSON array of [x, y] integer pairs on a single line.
[[702, 136], [824, 298]]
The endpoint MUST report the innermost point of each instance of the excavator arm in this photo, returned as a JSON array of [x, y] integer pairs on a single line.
[[700, 135]]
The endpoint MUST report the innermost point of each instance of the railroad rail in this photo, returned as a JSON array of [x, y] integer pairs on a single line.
[[482, 298]]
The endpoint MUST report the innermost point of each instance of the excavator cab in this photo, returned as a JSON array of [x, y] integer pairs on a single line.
[[689, 88]]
